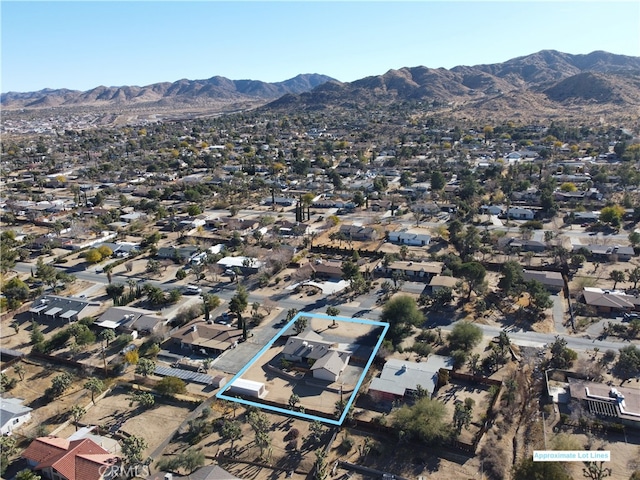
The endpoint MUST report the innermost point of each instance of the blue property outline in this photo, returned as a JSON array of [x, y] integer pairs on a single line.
[[221, 394]]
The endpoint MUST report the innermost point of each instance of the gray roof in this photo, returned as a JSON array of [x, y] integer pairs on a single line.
[[398, 376], [552, 279], [54, 305], [334, 362], [11, 408], [307, 345]]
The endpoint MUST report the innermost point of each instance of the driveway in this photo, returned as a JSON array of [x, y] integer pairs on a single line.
[[558, 312]]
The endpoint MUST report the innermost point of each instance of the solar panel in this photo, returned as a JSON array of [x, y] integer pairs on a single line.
[[186, 375]]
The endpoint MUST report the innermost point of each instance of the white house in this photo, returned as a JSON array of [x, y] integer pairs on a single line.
[[518, 213], [408, 238], [330, 366], [13, 415]]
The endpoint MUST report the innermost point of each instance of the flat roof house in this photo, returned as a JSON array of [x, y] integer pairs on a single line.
[[208, 339], [13, 414], [68, 309], [400, 378]]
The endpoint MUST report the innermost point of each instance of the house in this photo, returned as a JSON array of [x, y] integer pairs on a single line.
[[408, 238], [606, 252], [129, 319], [400, 379], [182, 253], [519, 213], [54, 307], [12, 414], [328, 362], [133, 217], [280, 201], [585, 217], [619, 405], [520, 245], [357, 233], [327, 269], [492, 209], [57, 458], [209, 472], [607, 301], [247, 265], [438, 282], [552, 281], [207, 339], [422, 271], [330, 366]]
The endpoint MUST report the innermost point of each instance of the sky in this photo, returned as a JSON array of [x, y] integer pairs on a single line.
[[81, 45]]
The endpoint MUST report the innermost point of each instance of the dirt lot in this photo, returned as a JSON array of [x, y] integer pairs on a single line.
[[113, 413], [37, 378]]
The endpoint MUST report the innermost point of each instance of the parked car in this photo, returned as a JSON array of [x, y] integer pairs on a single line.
[[192, 290]]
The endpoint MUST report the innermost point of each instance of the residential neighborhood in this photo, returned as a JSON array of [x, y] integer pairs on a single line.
[[145, 267]]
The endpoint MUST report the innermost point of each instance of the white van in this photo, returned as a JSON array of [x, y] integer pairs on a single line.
[[192, 290]]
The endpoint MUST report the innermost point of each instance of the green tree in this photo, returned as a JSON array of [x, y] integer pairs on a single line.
[[231, 431], [527, 469], [293, 401], [616, 276], [27, 475], [16, 292], [511, 281], [437, 181], [77, 412], [59, 384], [92, 256], [425, 421], [132, 449], [145, 367], [634, 238], [143, 399], [115, 290], [333, 311], [19, 370], [474, 274], [238, 304], [300, 324], [634, 276], [95, 386], [561, 355], [612, 215], [8, 448], [596, 471], [402, 314], [171, 386], [462, 415], [628, 364], [107, 335], [464, 336]]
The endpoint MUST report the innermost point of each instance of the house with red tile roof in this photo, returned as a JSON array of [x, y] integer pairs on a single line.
[[57, 458]]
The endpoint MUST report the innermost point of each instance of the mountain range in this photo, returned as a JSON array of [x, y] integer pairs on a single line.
[[541, 84], [219, 89], [544, 81]]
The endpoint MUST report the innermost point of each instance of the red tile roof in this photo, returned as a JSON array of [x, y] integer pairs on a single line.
[[75, 460]]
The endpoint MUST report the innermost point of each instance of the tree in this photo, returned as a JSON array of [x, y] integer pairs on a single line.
[[634, 276], [292, 312], [424, 421], [402, 314], [59, 384], [293, 401], [596, 470], [464, 336], [511, 280], [616, 276], [8, 446], [231, 431], [527, 469], [107, 335], [612, 215], [628, 364], [95, 386], [171, 386], [36, 337], [237, 305], [19, 370], [143, 399], [462, 415], [350, 270], [77, 412], [145, 367], [437, 181], [115, 290], [333, 311], [16, 292], [132, 449], [634, 238], [92, 256], [474, 274], [561, 355], [27, 475], [300, 324]]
